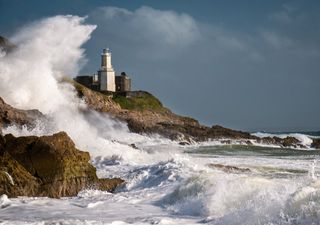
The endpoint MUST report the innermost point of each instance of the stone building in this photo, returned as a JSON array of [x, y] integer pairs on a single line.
[[123, 83], [89, 81], [106, 80]]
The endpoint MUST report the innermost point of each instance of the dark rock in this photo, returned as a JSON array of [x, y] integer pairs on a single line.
[[47, 166], [222, 132], [136, 126], [227, 142], [266, 140], [15, 180], [12, 116], [276, 140], [229, 169], [2, 144], [289, 141], [6, 45], [108, 184], [184, 143], [133, 146], [284, 142], [316, 143]]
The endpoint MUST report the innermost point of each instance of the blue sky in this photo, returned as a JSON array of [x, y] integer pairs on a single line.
[[250, 65]]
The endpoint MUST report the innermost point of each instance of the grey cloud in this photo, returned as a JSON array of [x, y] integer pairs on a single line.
[[276, 40], [282, 16], [288, 14], [155, 25], [210, 72]]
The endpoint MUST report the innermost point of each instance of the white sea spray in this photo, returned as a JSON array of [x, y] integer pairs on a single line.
[[164, 184], [31, 75]]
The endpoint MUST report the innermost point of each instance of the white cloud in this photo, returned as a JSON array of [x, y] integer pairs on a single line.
[[113, 12], [154, 25], [231, 42], [173, 54], [276, 40]]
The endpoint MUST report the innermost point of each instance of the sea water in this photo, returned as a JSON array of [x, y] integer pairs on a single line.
[[207, 183], [203, 184]]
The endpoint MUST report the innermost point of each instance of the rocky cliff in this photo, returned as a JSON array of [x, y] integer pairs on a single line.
[[145, 114]]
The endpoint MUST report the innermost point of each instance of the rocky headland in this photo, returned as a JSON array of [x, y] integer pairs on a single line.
[[52, 166], [145, 114]]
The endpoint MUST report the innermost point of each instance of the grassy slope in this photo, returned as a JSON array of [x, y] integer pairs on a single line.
[[144, 101]]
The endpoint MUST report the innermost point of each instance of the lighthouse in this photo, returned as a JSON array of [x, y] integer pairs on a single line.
[[106, 74], [106, 80]]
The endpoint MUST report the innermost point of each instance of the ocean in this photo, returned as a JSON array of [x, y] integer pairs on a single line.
[[208, 183], [166, 183]]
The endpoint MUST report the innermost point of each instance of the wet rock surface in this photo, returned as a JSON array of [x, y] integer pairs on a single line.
[[228, 168], [316, 143], [13, 116], [47, 166], [283, 142], [6, 45]]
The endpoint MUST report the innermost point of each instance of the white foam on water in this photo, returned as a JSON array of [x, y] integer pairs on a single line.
[[186, 190], [164, 184], [31, 77], [305, 139], [4, 201]]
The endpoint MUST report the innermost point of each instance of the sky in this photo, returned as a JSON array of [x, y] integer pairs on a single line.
[[248, 65]]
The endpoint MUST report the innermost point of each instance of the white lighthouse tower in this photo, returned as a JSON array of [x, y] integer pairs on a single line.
[[106, 73]]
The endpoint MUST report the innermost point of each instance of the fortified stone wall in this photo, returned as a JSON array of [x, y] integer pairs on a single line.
[[123, 83]]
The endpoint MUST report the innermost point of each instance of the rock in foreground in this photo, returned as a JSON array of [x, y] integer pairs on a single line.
[[47, 166]]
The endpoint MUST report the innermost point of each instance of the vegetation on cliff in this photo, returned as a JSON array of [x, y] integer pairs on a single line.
[[138, 100]]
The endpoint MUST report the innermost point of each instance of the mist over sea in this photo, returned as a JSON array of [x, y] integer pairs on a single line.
[[166, 183]]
